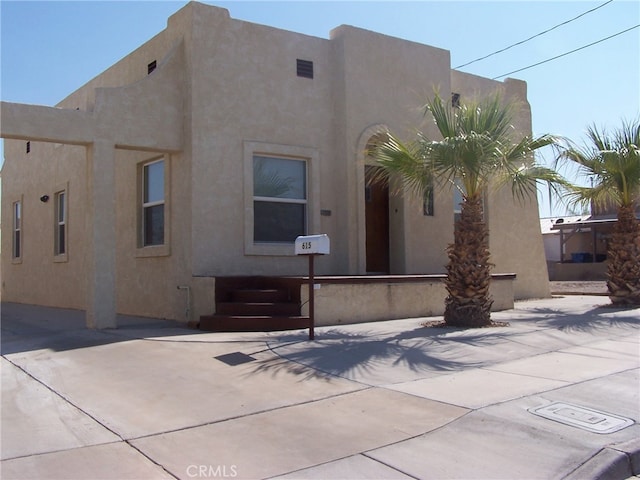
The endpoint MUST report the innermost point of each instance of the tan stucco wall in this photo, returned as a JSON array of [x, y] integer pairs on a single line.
[[357, 302], [116, 117], [368, 67], [148, 277], [515, 239], [39, 277], [223, 89], [248, 95]]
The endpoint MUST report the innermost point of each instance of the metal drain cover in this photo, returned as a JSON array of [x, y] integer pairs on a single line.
[[582, 417], [235, 358]]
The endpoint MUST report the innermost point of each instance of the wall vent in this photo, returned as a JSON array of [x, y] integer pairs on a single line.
[[304, 68], [151, 67], [28, 147]]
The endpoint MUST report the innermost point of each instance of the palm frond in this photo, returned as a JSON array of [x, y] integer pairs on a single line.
[[443, 115], [611, 162], [405, 161], [477, 147], [524, 181], [583, 197]]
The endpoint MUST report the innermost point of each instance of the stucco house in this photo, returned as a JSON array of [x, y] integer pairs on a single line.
[[201, 156]]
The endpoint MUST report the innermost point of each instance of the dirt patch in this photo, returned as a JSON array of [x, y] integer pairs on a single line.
[[442, 324], [579, 288]]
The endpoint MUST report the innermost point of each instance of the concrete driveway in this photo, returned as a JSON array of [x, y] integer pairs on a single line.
[[381, 400]]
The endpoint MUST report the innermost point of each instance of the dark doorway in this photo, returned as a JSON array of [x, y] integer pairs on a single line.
[[376, 198]]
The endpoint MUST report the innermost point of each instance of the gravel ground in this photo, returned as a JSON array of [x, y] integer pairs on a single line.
[[579, 288]]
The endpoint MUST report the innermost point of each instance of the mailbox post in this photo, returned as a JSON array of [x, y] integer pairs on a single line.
[[312, 245]]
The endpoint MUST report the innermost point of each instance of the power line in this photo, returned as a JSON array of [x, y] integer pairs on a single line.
[[534, 36], [567, 53]]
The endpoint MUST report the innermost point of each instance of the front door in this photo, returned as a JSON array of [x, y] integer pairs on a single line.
[[377, 223]]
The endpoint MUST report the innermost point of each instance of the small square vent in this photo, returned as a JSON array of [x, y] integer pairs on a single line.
[[304, 68]]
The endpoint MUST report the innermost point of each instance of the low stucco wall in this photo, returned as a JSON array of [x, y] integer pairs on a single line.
[[342, 300], [202, 297]]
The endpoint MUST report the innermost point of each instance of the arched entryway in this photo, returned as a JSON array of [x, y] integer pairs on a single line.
[[376, 203]]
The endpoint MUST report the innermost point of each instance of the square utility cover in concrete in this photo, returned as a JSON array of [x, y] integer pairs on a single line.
[[582, 417], [235, 358]]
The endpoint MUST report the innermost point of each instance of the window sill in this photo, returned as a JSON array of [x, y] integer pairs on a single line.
[[61, 258], [16, 261], [153, 251]]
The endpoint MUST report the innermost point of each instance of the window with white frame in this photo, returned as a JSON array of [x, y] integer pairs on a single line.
[[279, 199], [60, 227], [153, 203], [17, 230]]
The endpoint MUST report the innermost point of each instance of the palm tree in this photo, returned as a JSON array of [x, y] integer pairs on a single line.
[[612, 161], [478, 149]]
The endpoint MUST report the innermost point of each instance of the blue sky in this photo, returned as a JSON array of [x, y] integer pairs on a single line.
[[51, 48]]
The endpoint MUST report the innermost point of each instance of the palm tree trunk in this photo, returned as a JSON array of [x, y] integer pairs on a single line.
[[624, 259], [469, 270]]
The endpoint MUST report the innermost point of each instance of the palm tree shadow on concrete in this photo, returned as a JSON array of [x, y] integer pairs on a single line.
[[366, 355], [362, 355], [598, 318]]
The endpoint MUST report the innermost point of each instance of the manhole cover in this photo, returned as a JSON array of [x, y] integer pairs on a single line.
[[235, 358], [582, 417]]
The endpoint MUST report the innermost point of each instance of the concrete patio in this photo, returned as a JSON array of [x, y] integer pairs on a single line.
[[391, 399]]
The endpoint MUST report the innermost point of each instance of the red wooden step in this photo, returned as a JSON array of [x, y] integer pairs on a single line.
[[265, 295], [255, 304], [257, 308]]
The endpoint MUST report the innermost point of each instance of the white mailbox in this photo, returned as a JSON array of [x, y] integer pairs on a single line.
[[313, 245]]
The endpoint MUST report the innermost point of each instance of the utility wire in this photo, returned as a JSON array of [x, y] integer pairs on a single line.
[[534, 36], [566, 53]]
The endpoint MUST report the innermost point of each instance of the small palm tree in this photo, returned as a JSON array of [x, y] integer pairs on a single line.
[[478, 149], [612, 161]]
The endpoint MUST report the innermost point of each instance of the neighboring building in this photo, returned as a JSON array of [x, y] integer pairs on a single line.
[[575, 249], [207, 150], [576, 245], [553, 249]]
